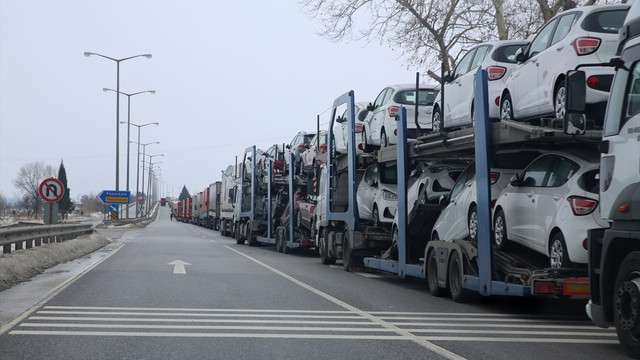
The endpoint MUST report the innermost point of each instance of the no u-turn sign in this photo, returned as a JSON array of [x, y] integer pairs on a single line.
[[51, 190]]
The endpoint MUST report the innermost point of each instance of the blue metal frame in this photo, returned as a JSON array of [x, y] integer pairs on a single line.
[[292, 179], [350, 217]]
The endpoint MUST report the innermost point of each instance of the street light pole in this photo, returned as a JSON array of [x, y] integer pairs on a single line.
[[138, 162], [128, 125], [118, 61], [144, 149], [149, 186]]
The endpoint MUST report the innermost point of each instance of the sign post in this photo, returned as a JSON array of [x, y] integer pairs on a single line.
[[51, 190]]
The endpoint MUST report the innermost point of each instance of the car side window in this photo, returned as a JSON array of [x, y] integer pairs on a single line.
[[541, 42], [463, 65], [563, 28], [466, 175], [562, 171], [479, 57], [536, 172], [380, 99]]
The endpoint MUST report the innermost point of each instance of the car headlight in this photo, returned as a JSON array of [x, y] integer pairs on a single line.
[[388, 195]]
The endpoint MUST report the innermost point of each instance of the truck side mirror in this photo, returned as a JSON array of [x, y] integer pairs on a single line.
[[575, 119]]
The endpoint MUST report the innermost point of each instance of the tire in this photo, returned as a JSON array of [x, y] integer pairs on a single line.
[[376, 216], [347, 259], [506, 108], [473, 116], [223, 227], [456, 279], [239, 239], [500, 229], [626, 313], [323, 245], [472, 224], [432, 274], [285, 249], [558, 254], [435, 120], [278, 240], [384, 140], [560, 101], [298, 219]]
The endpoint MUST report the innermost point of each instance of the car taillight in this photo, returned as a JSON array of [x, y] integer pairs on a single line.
[[585, 244], [593, 82], [393, 111], [498, 101], [494, 176], [358, 128], [585, 45], [395, 132], [582, 206], [323, 148], [301, 146], [360, 146], [495, 72]]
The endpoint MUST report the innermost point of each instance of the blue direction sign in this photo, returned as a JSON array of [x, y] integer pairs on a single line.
[[115, 197], [113, 208]]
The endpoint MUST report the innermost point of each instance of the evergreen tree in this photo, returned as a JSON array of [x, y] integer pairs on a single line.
[[65, 205], [184, 194]]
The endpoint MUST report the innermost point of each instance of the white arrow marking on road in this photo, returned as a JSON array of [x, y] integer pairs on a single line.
[[178, 267]]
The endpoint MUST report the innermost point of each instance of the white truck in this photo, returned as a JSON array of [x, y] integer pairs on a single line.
[[614, 253], [228, 184]]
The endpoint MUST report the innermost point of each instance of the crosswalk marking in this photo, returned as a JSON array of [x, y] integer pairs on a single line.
[[307, 324]]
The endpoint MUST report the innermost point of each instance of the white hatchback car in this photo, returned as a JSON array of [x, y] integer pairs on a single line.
[[459, 218], [380, 127], [341, 133], [550, 206], [498, 58], [586, 35], [377, 194]]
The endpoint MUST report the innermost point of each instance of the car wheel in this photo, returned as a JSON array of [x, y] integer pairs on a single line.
[[384, 140], [435, 120], [473, 224], [473, 116], [625, 299], [422, 196], [376, 216], [432, 274], [456, 279], [560, 100], [506, 108], [558, 254], [500, 229]]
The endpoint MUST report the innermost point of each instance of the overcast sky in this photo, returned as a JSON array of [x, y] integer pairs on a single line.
[[226, 77]]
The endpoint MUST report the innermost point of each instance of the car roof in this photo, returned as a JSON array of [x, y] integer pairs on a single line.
[[594, 8], [413, 86]]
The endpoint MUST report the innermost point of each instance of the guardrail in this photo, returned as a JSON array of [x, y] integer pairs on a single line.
[[29, 236]]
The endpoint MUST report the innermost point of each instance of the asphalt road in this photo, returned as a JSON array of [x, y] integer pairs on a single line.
[[177, 291]]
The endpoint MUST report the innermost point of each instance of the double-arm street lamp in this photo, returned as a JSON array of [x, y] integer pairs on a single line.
[[149, 187], [128, 122], [144, 149], [118, 61], [138, 163]]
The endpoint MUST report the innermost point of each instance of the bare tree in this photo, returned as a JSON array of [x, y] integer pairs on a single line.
[[28, 182], [90, 203]]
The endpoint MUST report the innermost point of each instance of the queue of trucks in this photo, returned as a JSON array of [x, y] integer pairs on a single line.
[[316, 207]]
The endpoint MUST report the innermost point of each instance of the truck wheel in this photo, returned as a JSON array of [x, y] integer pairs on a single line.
[[626, 301], [346, 252], [323, 246], [278, 241], [558, 254], [285, 249], [432, 274], [500, 228], [456, 279], [239, 239]]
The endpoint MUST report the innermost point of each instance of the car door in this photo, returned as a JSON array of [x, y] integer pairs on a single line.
[[547, 199], [452, 91], [367, 191], [375, 119], [451, 226], [548, 65], [524, 96], [519, 200], [462, 115]]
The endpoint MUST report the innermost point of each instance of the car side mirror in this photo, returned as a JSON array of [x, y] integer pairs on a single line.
[[575, 122], [288, 146], [447, 77], [340, 119], [515, 181], [370, 107], [443, 200]]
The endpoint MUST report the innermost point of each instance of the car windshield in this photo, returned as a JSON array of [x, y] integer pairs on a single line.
[[507, 54], [605, 21], [408, 97]]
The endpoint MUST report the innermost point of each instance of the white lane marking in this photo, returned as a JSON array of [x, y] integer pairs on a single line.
[[210, 335], [197, 309], [370, 276], [362, 322], [178, 267], [212, 240], [57, 291], [526, 340], [124, 313], [403, 333], [208, 327]]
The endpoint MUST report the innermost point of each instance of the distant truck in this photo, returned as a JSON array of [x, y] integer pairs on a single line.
[[228, 186], [614, 253], [163, 202]]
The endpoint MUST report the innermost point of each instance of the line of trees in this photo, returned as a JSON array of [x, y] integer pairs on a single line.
[[428, 33]]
